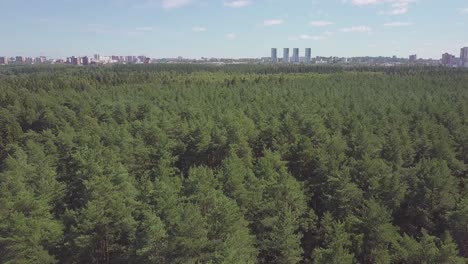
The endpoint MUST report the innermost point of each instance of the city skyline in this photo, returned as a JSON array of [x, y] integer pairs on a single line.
[[273, 56], [447, 59], [232, 28]]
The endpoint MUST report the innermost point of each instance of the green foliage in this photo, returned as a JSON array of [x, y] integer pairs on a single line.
[[458, 221], [431, 250], [336, 243], [433, 193], [279, 213], [27, 228], [103, 228], [233, 164]]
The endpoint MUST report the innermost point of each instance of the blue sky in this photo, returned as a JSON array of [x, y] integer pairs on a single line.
[[232, 28]]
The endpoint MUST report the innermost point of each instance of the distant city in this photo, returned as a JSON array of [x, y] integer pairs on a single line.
[[448, 60]]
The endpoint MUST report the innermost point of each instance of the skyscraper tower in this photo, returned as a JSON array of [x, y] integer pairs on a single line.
[[274, 55], [448, 59], [464, 57], [286, 55], [85, 60], [308, 54], [296, 55]]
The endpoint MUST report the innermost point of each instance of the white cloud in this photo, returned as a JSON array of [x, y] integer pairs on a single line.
[[273, 22], [169, 4], [373, 2], [366, 2], [238, 3], [199, 29], [397, 7], [104, 29], [398, 24], [464, 11], [307, 37], [320, 23], [359, 29], [231, 36]]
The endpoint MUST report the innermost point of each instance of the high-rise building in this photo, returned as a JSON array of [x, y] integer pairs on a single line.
[[274, 55], [448, 59], [19, 59], [40, 60], [286, 55], [3, 60], [97, 58], [130, 59], [296, 55], [104, 59], [308, 54], [75, 61], [141, 58], [464, 57], [85, 60], [413, 58]]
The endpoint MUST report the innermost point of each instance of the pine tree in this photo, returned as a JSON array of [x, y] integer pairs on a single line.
[[336, 243], [279, 213], [432, 194], [377, 237], [28, 230], [237, 180], [432, 250], [228, 238], [458, 222], [104, 227]]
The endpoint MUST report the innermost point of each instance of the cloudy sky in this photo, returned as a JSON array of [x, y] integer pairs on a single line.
[[232, 28]]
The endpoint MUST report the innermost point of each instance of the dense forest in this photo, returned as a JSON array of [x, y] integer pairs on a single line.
[[233, 164]]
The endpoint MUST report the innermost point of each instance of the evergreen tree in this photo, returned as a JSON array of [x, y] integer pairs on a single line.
[[104, 227], [185, 163], [458, 220], [228, 238], [432, 250], [28, 230], [280, 212], [336, 243], [377, 239], [432, 194]]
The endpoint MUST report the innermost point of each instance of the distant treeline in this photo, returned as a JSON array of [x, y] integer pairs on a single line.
[[170, 163], [228, 68]]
